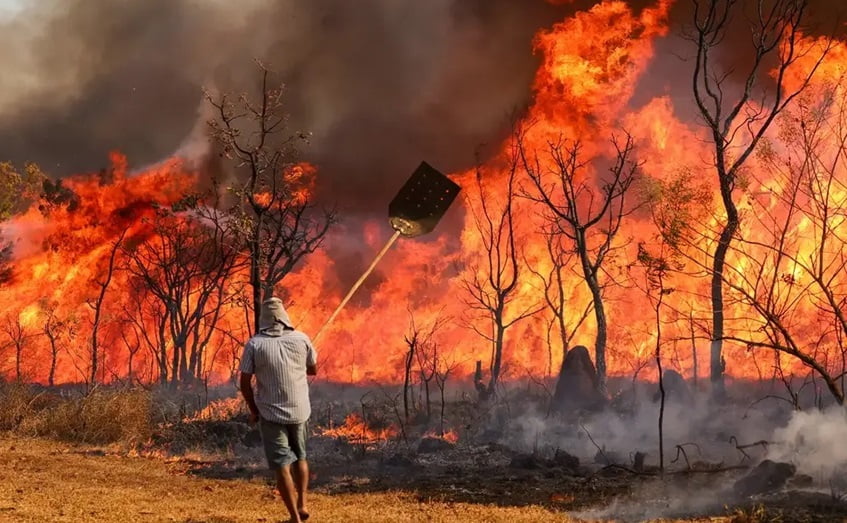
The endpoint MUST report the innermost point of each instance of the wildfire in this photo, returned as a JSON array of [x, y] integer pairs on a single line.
[[450, 436], [356, 430], [222, 409], [591, 66]]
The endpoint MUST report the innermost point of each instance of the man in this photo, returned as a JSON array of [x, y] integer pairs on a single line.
[[281, 357]]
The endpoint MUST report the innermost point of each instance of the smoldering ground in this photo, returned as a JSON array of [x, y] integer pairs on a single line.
[[707, 449]]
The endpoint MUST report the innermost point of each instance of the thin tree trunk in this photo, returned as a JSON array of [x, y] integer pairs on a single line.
[[717, 366], [693, 348], [661, 381], [255, 272], [428, 401], [51, 379], [600, 340], [406, 381], [500, 333], [18, 355]]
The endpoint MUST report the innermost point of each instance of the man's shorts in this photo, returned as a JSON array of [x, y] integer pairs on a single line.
[[284, 444]]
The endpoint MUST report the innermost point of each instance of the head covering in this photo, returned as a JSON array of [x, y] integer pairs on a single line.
[[273, 317]]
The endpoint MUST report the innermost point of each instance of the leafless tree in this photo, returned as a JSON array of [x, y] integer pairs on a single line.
[[279, 223], [738, 118], [427, 354], [133, 343], [59, 332], [555, 280], [491, 284], [18, 336], [185, 266], [97, 304], [149, 324], [795, 278], [589, 215], [412, 341], [657, 267]]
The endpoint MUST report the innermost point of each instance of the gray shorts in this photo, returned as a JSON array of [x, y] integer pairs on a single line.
[[284, 444]]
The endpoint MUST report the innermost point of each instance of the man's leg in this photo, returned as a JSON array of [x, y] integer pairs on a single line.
[[300, 471], [287, 489], [279, 454], [297, 435]]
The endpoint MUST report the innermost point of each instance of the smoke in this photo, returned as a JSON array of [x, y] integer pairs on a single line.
[[813, 442], [381, 84], [706, 432]]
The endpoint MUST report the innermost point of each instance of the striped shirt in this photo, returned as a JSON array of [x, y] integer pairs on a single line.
[[279, 364]]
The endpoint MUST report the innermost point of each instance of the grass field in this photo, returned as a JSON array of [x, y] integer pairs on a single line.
[[46, 481]]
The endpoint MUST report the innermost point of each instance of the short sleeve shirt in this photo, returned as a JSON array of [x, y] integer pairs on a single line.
[[279, 364]]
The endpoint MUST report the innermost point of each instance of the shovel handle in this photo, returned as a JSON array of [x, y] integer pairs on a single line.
[[356, 285]]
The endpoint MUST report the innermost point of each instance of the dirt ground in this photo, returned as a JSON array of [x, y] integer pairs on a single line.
[[47, 481]]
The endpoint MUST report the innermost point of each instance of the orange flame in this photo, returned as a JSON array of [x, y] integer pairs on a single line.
[[449, 436], [356, 430], [591, 65]]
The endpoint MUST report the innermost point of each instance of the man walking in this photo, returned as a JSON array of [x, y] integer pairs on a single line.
[[281, 357]]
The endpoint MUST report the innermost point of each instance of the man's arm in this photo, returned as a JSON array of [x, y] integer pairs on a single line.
[[247, 391], [247, 370], [311, 359]]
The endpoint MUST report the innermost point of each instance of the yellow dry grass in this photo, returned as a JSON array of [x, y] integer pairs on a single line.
[[47, 481]]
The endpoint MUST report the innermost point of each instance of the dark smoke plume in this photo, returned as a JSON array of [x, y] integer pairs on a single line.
[[381, 84]]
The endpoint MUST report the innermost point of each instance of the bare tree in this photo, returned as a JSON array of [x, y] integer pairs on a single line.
[[412, 341], [737, 119], [58, 332], [279, 223], [657, 266], [186, 267], [588, 216], [491, 285], [97, 304], [133, 343], [795, 278], [18, 337], [144, 314], [427, 355], [445, 365], [557, 293]]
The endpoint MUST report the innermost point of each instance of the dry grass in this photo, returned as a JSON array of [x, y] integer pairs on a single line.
[[48, 481], [101, 417]]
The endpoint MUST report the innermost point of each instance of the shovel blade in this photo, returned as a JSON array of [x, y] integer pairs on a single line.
[[422, 201]]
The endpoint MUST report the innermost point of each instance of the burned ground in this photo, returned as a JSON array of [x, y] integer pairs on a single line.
[[732, 463]]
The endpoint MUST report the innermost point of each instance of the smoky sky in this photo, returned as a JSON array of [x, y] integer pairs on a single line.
[[380, 84]]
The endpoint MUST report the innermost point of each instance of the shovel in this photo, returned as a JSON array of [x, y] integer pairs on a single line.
[[415, 211]]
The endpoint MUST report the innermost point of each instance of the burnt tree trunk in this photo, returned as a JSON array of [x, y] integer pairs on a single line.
[[590, 276], [716, 361], [255, 271], [497, 363], [407, 378]]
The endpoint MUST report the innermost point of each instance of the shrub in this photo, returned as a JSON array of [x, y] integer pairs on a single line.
[[15, 404], [100, 417]]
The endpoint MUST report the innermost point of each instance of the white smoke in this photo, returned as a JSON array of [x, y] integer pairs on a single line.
[[814, 441]]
